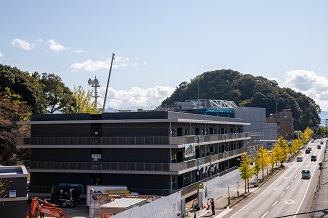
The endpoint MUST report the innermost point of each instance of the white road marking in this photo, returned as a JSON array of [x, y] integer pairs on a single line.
[[287, 187], [259, 195], [303, 197], [274, 203], [290, 201], [276, 188], [291, 181], [264, 214], [282, 194]]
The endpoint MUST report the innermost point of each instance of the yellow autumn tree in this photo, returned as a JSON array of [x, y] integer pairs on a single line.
[[83, 101], [245, 169], [282, 150], [263, 155]]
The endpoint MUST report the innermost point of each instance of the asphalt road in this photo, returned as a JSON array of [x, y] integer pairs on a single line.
[[286, 193]]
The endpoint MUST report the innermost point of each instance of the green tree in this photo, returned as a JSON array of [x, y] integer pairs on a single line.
[[11, 111], [26, 85], [245, 169], [59, 97]]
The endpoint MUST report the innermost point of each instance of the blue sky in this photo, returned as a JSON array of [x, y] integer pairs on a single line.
[[159, 44]]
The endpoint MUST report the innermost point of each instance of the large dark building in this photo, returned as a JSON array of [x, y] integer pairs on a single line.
[[151, 152], [13, 191]]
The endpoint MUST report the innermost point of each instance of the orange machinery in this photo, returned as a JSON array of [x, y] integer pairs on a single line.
[[43, 206]]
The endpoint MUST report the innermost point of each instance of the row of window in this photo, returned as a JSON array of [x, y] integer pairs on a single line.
[[198, 131]]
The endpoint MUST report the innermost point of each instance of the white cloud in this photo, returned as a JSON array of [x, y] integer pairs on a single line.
[[22, 44], [135, 97], [90, 65], [79, 51], [310, 84], [55, 46], [1, 55]]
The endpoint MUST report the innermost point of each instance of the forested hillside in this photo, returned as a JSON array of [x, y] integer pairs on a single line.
[[248, 91]]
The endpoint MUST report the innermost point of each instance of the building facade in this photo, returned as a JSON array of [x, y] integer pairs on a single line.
[[13, 191], [284, 121], [259, 129], [151, 152]]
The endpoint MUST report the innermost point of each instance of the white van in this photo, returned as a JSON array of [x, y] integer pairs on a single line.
[[306, 174]]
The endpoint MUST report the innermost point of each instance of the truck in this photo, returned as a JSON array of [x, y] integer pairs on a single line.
[[66, 194], [93, 190]]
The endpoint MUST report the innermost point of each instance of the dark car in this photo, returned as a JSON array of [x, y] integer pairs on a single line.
[[318, 146], [307, 151], [313, 157]]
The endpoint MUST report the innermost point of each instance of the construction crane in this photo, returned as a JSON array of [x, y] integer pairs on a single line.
[[110, 71]]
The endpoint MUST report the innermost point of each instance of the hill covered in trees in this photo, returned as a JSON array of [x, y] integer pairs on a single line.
[[248, 91]]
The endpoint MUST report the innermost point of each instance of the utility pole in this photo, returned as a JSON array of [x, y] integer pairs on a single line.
[[326, 126]]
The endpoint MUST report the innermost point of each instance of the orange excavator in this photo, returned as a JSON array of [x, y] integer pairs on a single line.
[[42, 206]]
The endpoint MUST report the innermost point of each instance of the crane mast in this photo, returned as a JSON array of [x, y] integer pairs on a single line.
[[110, 71]]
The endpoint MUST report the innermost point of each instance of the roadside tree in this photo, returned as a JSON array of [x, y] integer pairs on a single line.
[[263, 155], [257, 168], [245, 169], [282, 150]]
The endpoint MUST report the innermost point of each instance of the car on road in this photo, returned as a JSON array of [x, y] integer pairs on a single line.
[[299, 159], [306, 174], [310, 148], [318, 146], [321, 142], [307, 151], [313, 157]]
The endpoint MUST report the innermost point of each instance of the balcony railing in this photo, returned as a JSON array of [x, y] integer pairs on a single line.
[[132, 166], [185, 191], [151, 140]]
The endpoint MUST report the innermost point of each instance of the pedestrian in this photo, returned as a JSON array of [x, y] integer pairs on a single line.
[[213, 206]]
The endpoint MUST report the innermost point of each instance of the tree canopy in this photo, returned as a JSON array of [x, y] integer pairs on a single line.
[[11, 111], [248, 91]]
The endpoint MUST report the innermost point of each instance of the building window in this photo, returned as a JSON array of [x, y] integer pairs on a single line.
[[96, 157], [174, 157], [179, 131], [197, 131], [186, 131], [186, 180], [211, 130], [173, 133], [174, 183]]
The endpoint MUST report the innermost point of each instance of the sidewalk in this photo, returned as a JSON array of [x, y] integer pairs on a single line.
[[221, 204]]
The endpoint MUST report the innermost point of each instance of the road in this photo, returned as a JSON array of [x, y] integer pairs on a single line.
[[287, 193]]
